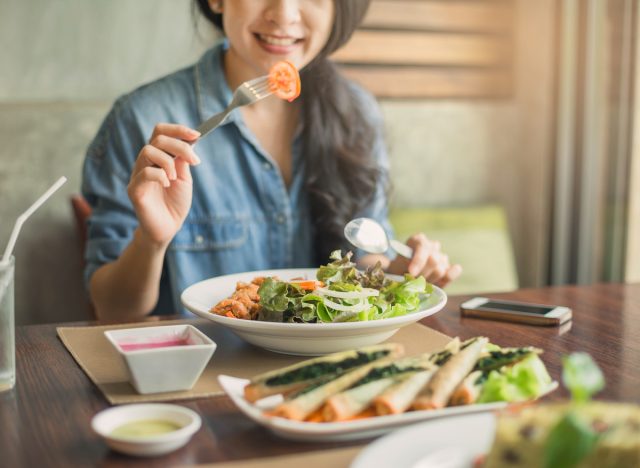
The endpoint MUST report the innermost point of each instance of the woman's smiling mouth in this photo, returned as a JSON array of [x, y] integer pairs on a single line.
[[277, 41]]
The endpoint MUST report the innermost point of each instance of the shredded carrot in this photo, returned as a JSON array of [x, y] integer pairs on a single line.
[[462, 396], [308, 285], [368, 413], [230, 315], [316, 416]]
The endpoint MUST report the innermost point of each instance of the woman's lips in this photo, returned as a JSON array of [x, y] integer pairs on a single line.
[[278, 44]]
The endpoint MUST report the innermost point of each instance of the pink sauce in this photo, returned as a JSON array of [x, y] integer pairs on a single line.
[[166, 343]]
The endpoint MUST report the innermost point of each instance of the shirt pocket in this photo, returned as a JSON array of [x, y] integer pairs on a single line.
[[212, 233]]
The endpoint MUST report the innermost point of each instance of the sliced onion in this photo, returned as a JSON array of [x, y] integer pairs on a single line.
[[365, 292], [359, 307]]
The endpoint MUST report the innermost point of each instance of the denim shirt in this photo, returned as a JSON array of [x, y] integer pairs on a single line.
[[243, 217]]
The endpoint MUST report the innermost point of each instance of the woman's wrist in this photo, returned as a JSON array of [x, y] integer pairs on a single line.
[[147, 244]]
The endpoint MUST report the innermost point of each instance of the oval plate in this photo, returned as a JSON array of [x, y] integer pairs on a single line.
[[346, 430]]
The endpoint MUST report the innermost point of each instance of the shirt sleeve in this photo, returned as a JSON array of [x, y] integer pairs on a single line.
[[378, 208], [106, 172]]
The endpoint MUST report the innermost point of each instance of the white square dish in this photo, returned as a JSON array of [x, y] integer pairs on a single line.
[[164, 358]]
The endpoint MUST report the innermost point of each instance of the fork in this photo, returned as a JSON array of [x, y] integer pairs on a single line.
[[247, 93]]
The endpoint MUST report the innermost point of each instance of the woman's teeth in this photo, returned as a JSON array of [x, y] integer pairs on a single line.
[[278, 41]]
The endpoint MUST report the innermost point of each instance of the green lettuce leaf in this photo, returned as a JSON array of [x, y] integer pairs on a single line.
[[525, 380], [582, 376], [406, 293], [342, 269], [286, 302], [569, 442], [323, 313], [572, 439]]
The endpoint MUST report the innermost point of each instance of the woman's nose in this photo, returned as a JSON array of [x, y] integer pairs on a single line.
[[283, 12]]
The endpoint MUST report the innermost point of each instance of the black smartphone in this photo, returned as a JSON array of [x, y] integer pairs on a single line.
[[512, 311]]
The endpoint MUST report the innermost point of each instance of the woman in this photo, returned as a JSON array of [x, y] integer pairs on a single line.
[[271, 188]]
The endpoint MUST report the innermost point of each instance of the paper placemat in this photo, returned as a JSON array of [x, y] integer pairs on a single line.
[[233, 356], [335, 458]]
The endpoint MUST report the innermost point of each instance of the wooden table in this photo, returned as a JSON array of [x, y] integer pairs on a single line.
[[45, 419]]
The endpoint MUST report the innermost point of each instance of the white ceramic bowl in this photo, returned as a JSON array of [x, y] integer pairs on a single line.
[[179, 356], [105, 422], [305, 339]]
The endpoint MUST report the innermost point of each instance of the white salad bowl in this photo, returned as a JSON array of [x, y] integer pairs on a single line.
[[304, 339]]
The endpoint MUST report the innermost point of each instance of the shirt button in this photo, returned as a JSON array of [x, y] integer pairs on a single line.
[[266, 166], [280, 219], [199, 239]]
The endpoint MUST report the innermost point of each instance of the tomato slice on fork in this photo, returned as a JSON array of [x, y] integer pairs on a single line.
[[284, 80]]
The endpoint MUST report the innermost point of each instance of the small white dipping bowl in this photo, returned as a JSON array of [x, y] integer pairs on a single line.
[[165, 358], [105, 422]]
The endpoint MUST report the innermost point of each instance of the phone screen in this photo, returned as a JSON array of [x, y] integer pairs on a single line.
[[529, 309]]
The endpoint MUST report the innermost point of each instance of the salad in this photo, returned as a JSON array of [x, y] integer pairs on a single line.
[[340, 293]]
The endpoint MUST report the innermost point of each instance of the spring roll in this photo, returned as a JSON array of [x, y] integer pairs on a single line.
[[398, 397], [294, 378], [437, 392], [468, 391], [497, 358], [347, 404], [356, 399], [470, 388], [299, 406], [451, 348]]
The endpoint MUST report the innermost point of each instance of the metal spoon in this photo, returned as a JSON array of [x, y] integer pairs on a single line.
[[367, 234]]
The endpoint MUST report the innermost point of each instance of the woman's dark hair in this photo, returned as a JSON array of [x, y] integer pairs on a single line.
[[338, 138]]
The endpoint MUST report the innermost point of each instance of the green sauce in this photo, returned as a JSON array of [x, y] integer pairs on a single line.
[[145, 428]]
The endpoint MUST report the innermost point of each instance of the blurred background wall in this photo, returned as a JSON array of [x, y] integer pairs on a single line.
[[65, 61], [63, 64]]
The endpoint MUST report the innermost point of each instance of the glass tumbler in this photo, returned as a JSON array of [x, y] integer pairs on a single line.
[[7, 326]]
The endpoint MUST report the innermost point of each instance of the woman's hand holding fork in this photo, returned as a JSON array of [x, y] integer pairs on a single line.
[[160, 187]]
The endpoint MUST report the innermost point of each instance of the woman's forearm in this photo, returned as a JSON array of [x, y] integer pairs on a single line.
[[128, 288]]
